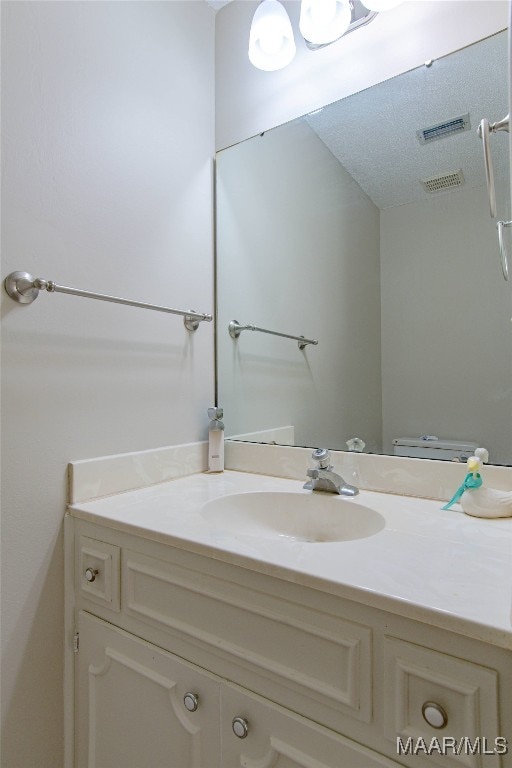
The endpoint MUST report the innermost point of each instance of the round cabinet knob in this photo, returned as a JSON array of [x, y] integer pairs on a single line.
[[240, 727], [434, 714], [191, 701], [90, 574]]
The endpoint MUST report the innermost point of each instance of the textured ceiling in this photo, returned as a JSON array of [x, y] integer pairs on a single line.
[[373, 133]]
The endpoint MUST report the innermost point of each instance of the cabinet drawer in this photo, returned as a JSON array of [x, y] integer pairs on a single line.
[[311, 657], [98, 572], [435, 698]]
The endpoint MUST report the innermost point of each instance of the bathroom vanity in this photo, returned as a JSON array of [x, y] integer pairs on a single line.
[[203, 643]]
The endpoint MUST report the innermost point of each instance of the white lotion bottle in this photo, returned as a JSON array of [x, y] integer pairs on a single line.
[[215, 440]]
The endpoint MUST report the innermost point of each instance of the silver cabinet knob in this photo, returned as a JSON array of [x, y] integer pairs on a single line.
[[240, 727], [90, 574], [434, 714], [191, 701]]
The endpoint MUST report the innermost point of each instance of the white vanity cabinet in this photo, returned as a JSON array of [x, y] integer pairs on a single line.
[[175, 646]]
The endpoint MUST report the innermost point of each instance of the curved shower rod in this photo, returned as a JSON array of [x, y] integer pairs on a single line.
[[485, 129]]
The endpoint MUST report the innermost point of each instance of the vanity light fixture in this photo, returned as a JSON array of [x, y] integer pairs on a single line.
[[271, 41], [322, 22]]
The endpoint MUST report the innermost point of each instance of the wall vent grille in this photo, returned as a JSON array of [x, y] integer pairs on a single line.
[[446, 181], [441, 130]]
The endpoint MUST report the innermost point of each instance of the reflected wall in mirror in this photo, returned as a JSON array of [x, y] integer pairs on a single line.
[[325, 228]]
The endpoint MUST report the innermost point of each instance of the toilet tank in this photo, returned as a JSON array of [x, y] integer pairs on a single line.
[[431, 447]]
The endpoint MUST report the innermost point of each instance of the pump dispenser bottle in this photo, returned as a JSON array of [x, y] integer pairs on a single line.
[[215, 440]]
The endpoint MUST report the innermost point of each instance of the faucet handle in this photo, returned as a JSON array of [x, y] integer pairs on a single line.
[[322, 457]]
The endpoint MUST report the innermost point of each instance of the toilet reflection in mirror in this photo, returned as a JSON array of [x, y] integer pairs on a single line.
[[360, 226]]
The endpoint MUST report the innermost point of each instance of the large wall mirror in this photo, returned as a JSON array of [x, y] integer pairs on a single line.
[[353, 227]]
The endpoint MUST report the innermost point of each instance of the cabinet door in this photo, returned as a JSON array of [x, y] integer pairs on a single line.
[[131, 704], [278, 738]]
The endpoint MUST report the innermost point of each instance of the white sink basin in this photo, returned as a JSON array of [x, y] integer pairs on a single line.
[[308, 517]]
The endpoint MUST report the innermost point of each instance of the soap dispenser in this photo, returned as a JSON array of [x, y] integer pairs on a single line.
[[215, 440]]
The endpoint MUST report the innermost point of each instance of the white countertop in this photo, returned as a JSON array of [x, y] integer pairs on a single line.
[[441, 567]]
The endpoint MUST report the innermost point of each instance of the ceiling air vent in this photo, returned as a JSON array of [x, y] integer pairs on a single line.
[[447, 128], [445, 181]]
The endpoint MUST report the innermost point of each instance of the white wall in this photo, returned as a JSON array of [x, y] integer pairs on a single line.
[[249, 101], [298, 253], [440, 261], [107, 112], [108, 138]]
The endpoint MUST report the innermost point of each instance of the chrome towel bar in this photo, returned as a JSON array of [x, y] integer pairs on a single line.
[[235, 329], [24, 289]]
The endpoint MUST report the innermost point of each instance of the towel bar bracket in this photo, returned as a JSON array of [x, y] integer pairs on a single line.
[[22, 287]]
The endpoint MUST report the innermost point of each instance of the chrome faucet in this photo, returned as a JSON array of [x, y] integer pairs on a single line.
[[323, 477]]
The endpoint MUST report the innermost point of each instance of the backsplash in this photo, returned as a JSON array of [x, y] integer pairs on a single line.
[[103, 476], [429, 479]]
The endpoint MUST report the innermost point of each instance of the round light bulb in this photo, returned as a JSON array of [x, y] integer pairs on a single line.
[[271, 43], [380, 5], [323, 12], [324, 21]]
